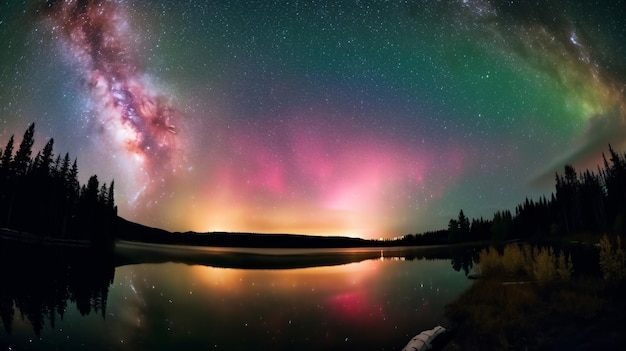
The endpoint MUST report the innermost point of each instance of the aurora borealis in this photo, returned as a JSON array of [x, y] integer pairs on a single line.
[[360, 118]]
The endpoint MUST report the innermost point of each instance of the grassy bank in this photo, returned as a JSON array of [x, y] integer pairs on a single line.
[[531, 298]]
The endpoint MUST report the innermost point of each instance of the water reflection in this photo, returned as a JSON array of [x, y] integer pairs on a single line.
[[362, 299], [263, 258], [464, 257], [367, 305], [39, 283]]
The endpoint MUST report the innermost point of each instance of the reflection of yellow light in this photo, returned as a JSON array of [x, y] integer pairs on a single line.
[[326, 278], [333, 279], [217, 278]]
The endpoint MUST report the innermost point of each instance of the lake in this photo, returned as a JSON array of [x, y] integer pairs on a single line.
[[153, 297]]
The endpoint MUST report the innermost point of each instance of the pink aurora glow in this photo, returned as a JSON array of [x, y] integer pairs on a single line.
[[320, 179], [307, 175]]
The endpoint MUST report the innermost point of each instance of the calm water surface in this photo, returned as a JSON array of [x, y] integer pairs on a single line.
[[310, 300]]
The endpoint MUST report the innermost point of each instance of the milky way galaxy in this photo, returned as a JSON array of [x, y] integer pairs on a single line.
[[363, 118], [138, 122]]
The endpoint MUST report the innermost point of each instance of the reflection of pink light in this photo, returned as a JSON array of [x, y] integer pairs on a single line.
[[348, 305], [354, 305]]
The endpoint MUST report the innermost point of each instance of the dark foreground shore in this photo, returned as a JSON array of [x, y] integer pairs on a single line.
[[504, 311], [592, 318]]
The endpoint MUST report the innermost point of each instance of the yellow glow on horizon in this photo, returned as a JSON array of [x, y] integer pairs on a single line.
[[211, 217]]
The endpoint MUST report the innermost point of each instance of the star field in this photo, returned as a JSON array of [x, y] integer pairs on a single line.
[[362, 118]]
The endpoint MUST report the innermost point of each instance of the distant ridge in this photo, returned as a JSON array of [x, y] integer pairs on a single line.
[[127, 230]]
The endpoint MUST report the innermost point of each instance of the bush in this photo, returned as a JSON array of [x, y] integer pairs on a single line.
[[544, 264], [489, 262], [513, 259], [528, 258], [523, 261], [564, 267], [612, 260]]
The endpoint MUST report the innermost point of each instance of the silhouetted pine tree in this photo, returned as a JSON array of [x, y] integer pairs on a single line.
[[480, 229], [22, 160], [501, 226], [7, 157], [568, 200], [592, 202], [615, 184], [464, 226], [453, 231], [42, 195], [6, 181]]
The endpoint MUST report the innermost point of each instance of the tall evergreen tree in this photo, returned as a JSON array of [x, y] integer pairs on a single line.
[[22, 158], [72, 181], [43, 196], [453, 230], [501, 226], [111, 196], [65, 169], [464, 226], [56, 167], [103, 195], [7, 156], [44, 163]]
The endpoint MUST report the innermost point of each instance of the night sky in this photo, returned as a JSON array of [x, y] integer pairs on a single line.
[[360, 118]]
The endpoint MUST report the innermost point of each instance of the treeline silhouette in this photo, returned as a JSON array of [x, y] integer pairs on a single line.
[[42, 292], [42, 196], [590, 202]]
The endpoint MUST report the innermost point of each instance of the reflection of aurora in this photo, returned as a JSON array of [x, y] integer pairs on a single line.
[[339, 118], [280, 258], [376, 302], [43, 289], [371, 304]]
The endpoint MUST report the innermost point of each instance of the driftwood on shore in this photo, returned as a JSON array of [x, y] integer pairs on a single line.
[[423, 340]]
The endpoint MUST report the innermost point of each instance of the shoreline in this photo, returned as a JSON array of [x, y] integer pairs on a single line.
[[23, 238], [583, 311]]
